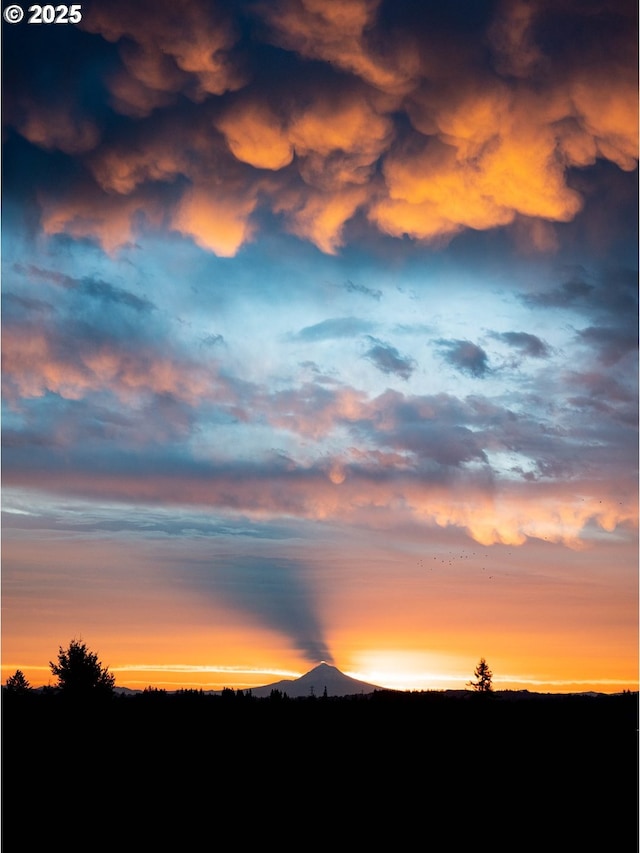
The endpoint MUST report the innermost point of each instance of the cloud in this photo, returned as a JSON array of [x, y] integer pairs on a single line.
[[350, 287], [612, 344], [491, 512], [312, 410], [339, 327], [256, 135], [378, 130], [465, 356], [113, 221], [609, 302], [212, 340], [57, 126], [526, 343], [388, 360], [217, 222], [167, 53], [342, 34], [77, 359], [570, 293], [318, 216], [86, 286], [13, 304]]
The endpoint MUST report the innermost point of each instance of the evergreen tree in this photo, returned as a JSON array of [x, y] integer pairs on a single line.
[[483, 678], [17, 683], [80, 673]]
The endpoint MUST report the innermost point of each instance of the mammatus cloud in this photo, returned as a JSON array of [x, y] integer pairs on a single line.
[[164, 54], [368, 124], [343, 34]]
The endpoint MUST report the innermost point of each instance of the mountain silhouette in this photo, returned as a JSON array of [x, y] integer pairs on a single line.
[[315, 682]]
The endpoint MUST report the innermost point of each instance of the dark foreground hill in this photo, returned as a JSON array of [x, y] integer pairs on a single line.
[[450, 772]]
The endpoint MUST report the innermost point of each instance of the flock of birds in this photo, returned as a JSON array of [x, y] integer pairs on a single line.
[[451, 558]]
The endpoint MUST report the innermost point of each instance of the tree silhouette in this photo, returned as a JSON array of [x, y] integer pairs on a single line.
[[483, 678], [80, 673], [17, 683]]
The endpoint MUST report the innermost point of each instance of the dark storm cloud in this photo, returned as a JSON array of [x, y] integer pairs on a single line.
[[339, 327], [525, 343], [388, 360], [465, 356]]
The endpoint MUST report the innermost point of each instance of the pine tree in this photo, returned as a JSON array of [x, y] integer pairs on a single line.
[[483, 678], [17, 683], [80, 673]]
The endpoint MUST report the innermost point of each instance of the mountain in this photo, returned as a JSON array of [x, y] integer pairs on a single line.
[[314, 683]]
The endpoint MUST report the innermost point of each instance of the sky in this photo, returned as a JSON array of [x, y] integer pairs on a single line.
[[319, 342]]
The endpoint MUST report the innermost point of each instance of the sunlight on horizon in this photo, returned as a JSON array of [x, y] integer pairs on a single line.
[[392, 679]]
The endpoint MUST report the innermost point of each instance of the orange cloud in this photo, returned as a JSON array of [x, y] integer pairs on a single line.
[[34, 363], [169, 51], [514, 49], [256, 135], [608, 110], [494, 157], [336, 32], [312, 414], [320, 217], [131, 97], [123, 168], [487, 147], [508, 514], [57, 127], [111, 220], [216, 221], [337, 138]]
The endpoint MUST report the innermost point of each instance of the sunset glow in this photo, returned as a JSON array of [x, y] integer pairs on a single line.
[[319, 342]]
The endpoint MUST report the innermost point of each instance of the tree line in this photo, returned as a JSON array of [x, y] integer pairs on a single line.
[[79, 672]]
